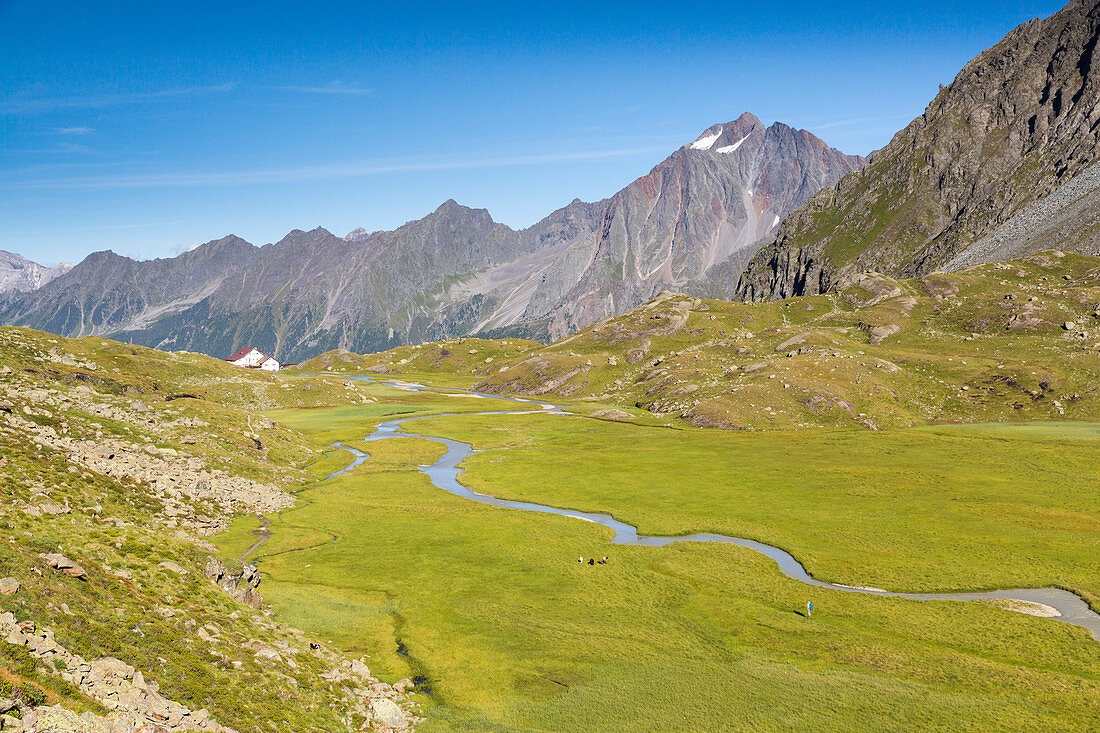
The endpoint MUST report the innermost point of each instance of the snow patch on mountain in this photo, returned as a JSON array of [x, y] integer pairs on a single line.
[[730, 148], [705, 142]]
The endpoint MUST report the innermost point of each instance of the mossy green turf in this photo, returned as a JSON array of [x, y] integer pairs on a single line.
[[1005, 342], [512, 633], [919, 509]]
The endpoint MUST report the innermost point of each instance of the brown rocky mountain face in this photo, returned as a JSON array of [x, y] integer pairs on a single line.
[[692, 223], [1020, 121]]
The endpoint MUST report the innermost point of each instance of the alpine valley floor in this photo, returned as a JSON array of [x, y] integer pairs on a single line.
[[489, 609]]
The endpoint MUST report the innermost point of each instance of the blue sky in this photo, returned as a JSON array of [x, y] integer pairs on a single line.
[[149, 127]]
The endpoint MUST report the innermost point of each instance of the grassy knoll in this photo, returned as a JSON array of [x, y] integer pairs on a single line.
[[512, 633], [456, 357], [1003, 342]]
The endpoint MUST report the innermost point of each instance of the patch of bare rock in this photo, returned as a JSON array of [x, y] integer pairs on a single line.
[[135, 702], [613, 415]]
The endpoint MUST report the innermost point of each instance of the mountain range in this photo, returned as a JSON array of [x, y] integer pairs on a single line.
[[691, 224], [18, 274], [1003, 163]]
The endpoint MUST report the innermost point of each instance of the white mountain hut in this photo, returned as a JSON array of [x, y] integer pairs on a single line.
[[251, 358]]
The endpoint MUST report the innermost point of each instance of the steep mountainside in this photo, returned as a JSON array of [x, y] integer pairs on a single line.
[[1019, 122], [17, 273], [691, 223], [695, 220]]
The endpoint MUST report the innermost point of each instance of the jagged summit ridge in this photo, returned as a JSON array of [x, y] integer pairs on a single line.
[[18, 274], [689, 224]]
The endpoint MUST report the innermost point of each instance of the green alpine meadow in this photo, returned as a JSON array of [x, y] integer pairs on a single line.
[[780, 435]]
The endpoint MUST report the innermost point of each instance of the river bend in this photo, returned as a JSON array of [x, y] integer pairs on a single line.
[[444, 473]]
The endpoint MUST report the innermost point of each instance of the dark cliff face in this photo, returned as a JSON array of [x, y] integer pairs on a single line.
[[1018, 122], [691, 223]]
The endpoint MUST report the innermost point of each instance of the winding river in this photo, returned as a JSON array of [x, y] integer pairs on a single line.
[[1071, 608]]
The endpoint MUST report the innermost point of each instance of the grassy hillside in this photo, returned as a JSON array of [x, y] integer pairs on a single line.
[[125, 461], [457, 357], [1010, 341]]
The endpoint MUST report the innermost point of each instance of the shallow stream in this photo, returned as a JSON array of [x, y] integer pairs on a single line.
[[1071, 608]]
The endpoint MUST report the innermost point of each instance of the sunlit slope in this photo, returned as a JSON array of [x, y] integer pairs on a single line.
[[1010, 341], [462, 356]]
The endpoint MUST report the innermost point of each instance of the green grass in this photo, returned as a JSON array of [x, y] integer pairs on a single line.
[[512, 633], [921, 509], [457, 357], [958, 354], [89, 390], [351, 422]]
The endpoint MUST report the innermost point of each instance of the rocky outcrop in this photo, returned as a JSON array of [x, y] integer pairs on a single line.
[[241, 583], [179, 481], [135, 702], [1018, 122], [59, 562]]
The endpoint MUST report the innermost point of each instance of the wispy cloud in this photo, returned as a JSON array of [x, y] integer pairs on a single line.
[[857, 121], [181, 248], [317, 173], [23, 106], [335, 87], [63, 147], [73, 131]]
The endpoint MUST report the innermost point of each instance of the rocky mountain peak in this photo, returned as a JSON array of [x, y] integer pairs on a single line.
[[726, 138], [18, 274], [450, 213], [1020, 121], [297, 238], [691, 223], [229, 242]]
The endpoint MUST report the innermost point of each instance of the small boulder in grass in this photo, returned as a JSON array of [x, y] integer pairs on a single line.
[[57, 561], [53, 508], [173, 567], [9, 586], [387, 712]]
